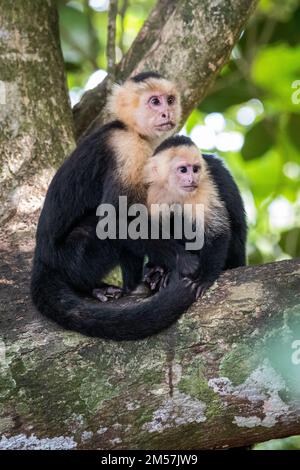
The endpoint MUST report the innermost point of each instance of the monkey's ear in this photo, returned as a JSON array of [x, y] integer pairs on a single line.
[[154, 171]]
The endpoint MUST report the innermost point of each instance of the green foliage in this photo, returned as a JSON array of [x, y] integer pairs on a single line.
[[259, 139], [265, 66]]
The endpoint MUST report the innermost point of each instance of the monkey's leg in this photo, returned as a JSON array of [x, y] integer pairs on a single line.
[[237, 252], [212, 258], [86, 260], [132, 269]]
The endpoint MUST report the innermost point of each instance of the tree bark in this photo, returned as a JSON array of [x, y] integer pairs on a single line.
[[35, 114], [225, 375], [188, 41]]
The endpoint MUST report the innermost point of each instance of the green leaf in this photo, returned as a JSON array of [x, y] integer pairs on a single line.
[[226, 97], [290, 242], [259, 139], [274, 70], [78, 42], [293, 129], [264, 175]]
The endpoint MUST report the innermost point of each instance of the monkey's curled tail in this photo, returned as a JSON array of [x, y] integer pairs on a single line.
[[57, 300]]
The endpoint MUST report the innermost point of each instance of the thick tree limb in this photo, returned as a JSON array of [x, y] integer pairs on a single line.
[[36, 126], [222, 376], [185, 40]]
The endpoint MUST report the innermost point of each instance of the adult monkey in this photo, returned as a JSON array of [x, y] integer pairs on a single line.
[[69, 258]]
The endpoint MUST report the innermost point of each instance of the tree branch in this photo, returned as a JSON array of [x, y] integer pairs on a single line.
[[225, 375], [185, 40], [111, 39], [122, 14]]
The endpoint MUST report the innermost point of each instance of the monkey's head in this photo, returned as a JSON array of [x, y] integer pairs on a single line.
[[177, 168], [147, 103]]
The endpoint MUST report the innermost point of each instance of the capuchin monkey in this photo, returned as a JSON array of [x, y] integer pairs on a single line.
[[70, 260], [179, 174]]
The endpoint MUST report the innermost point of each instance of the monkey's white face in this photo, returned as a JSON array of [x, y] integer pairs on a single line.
[[185, 175], [157, 114]]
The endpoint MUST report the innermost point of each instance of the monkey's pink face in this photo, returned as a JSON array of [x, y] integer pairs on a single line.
[[187, 175], [158, 114]]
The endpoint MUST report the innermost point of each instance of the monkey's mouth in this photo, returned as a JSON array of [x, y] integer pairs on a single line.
[[190, 188], [166, 126]]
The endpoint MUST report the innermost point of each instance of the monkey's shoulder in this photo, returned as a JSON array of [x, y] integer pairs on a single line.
[[97, 145]]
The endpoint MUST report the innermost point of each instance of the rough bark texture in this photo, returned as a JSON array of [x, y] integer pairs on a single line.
[[185, 40], [35, 116], [222, 376]]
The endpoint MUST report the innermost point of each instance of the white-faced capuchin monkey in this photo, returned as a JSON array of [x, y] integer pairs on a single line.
[[179, 174], [70, 260]]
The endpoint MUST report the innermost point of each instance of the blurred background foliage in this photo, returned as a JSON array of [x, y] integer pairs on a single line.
[[250, 117]]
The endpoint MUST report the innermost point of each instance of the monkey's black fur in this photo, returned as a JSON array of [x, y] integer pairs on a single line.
[[230, 195], [141, 77], [175, 141], [70, 261]]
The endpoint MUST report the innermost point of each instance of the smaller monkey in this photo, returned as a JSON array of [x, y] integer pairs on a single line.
[[179, 174]]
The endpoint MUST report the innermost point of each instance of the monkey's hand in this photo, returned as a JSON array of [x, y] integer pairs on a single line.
[[199, 288], [106, 292], [190, 269], [155, 277]]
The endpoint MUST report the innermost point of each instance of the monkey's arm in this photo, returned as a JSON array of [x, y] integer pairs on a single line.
[[77, 188]]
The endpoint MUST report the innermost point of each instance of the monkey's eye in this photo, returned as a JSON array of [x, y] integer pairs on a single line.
[[182, 169], [171, 99], [154, 100], [196, 168]]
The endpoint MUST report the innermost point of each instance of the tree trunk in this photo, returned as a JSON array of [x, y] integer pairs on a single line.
[[35, 115], [226, 375], [188, 41]]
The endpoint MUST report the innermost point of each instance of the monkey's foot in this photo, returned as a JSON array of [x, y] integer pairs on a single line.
[[141, 290], [106, 292], [199, 288], [156, 278]]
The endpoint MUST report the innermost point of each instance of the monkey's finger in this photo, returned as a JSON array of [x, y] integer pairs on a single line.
[[200, 292], [98, 294], [166, 280], [114, 292], [202, 289], [161, 283], [187, 281], [154, 284]]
